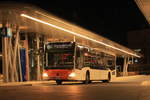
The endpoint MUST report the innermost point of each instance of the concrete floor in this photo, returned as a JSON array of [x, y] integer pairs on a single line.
[[116, 90]]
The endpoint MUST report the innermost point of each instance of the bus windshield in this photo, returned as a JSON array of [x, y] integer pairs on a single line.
[[60, 60], [60, 55]]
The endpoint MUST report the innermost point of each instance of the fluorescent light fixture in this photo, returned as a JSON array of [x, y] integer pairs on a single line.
[[79, 35]]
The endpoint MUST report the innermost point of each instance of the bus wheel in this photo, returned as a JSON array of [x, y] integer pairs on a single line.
[[108, 80], [87, 78], [59, 82]]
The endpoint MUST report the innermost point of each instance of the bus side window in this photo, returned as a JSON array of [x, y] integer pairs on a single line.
[[87, 60], [94, 62]]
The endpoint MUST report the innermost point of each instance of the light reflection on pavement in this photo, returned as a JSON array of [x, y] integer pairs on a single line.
[[117, 90]]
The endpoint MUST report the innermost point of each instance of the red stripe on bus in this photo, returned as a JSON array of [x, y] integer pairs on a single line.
[[61, 74]]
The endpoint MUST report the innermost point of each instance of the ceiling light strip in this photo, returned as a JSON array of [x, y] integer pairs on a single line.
[[85, 37]]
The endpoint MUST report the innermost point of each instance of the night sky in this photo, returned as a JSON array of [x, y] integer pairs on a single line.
[[109, 18]]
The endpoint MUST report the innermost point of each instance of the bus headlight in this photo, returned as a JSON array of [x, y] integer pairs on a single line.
[[72, 74], [45, 75]]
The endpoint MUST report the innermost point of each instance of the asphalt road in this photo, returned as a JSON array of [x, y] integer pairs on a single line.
[[77, 91]]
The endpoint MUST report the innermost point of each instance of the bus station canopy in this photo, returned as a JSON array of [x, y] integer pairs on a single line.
[[144, 6], [31, 19]]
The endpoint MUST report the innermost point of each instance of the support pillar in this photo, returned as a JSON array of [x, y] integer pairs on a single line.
[[38, 58], [115, 66], [4, 59], [27, 57], [132, 60], [125, 66], [14, 66]]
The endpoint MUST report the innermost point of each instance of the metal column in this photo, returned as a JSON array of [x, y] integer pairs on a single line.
[[125, 66]]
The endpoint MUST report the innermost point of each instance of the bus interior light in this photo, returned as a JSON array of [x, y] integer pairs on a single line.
[[86, 54]]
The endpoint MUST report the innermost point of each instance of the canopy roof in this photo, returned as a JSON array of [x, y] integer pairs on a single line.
[[31, 19], [144, 6]]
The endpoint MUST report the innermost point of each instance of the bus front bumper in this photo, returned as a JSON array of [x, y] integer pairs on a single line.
[[71, 77]]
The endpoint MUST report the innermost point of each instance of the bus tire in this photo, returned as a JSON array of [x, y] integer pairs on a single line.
[[108, 80], [87, 78], [58, 82]]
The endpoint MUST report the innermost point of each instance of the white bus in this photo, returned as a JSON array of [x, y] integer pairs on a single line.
[[69, 61]]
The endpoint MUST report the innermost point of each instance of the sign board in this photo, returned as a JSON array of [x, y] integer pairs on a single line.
[[6, 32], [60, 46]]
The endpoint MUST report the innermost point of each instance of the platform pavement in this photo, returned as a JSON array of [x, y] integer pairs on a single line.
[[143, 80], [27, 83]]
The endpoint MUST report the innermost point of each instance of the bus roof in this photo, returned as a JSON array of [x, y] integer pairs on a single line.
[[32, 19]]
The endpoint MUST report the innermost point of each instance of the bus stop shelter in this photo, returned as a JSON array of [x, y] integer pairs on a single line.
[[144, 6], [22, 22]]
